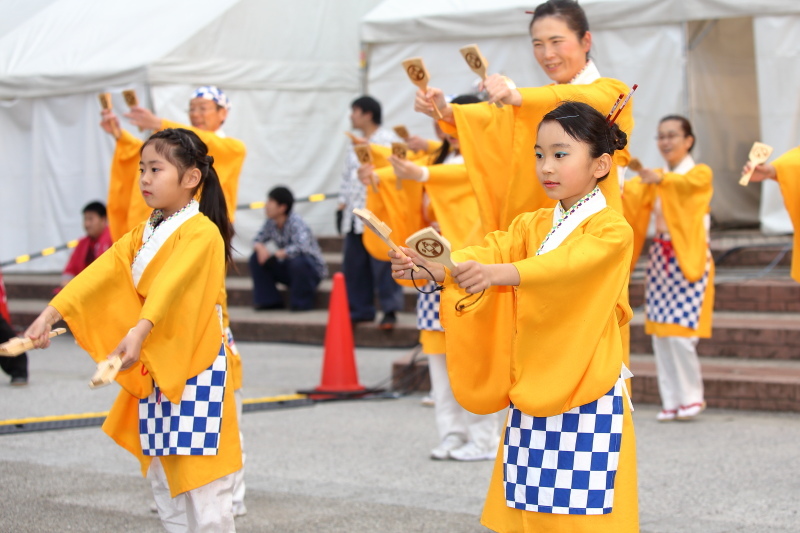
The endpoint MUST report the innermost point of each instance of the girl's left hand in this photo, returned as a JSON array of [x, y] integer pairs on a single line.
[[130, 347], [405, 169], [472, 276]]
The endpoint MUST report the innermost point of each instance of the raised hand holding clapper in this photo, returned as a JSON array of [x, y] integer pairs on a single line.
[[759, 153]]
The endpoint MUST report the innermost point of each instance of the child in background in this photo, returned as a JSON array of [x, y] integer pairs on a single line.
[[568, 460], [97, 241], [159, 289]]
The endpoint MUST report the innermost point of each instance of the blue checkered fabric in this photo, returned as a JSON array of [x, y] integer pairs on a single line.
[[192, 426], [564, 464], [213, 93], [669, 297], [428, 309]]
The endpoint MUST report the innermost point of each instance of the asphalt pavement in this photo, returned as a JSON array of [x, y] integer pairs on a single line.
[[363, 466]]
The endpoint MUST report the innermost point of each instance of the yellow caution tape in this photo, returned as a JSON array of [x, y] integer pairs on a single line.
[[319, 197]]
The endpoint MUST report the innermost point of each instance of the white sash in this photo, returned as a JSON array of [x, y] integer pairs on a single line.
[[154, 237], [567, 225]]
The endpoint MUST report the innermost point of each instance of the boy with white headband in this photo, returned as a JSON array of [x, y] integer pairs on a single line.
[[208, 109]]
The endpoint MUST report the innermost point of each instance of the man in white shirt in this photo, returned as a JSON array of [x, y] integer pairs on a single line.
[[364, 275]]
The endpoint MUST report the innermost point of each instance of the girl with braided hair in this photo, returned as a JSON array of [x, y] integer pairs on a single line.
[[160, 289], [568, 458]]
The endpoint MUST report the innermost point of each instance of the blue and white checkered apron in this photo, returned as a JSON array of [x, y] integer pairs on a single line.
[[669, 297], [565, 464], [192, 426], [428, 309]]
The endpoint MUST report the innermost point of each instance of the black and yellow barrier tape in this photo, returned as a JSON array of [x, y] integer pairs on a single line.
[[82, 420], [72, 244]]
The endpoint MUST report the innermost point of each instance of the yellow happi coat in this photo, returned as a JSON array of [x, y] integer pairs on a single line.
[[787, 168], [566, 347], [685, 203], [497, 144], [178, 292], [126, 207]]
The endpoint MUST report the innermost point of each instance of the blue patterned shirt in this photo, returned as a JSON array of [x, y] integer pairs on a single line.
[[296, 238]]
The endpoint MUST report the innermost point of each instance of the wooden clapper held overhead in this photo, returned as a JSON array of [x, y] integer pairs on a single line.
[[418, 74], [759, 153], [475, 60]]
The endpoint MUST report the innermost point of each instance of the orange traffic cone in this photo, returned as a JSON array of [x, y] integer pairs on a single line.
[[339, 373]]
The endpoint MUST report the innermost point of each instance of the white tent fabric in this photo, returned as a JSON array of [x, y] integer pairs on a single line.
[[291, 70], [689, 57]]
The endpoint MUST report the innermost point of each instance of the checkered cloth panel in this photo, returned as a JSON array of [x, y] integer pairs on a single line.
[[564, 464], [192, 426], [428, 309], [669, 297]]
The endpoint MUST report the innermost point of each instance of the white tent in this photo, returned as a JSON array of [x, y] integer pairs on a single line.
[[731, 66], [291, 70]]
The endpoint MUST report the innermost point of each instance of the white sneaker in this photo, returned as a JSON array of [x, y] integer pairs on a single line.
[[665, 415], [239, 509], [471, 452], [688, 412], [450, 443], [427, 401]]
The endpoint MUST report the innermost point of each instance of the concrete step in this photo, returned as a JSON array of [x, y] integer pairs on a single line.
[[307, 327], [241, 268], [739, 335], [729, 383], [737, 289], [741, 289]]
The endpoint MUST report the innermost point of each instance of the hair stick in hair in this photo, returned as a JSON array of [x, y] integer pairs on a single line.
[[614, 108], [624, 103]]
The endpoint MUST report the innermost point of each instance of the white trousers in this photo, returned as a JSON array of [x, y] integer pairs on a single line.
[[451, 418], [206, 509], [680, 381], [238, 476]]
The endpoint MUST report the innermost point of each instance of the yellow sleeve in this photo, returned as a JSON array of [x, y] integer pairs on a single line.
[[100, 305], [576, 358], [479, 339], [787, 168], [637, 203], [486, 137], [125, 202], [455, 205], [401, 210], [686, 200], [228, 154]]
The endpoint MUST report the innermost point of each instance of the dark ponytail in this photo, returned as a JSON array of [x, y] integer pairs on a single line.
[[585, 124], [184, 149]]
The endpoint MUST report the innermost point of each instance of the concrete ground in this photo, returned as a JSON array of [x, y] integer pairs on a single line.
[[362, 466]]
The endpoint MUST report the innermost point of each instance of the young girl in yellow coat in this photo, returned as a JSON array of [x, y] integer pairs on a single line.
[[159, 290], [567, 462]]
